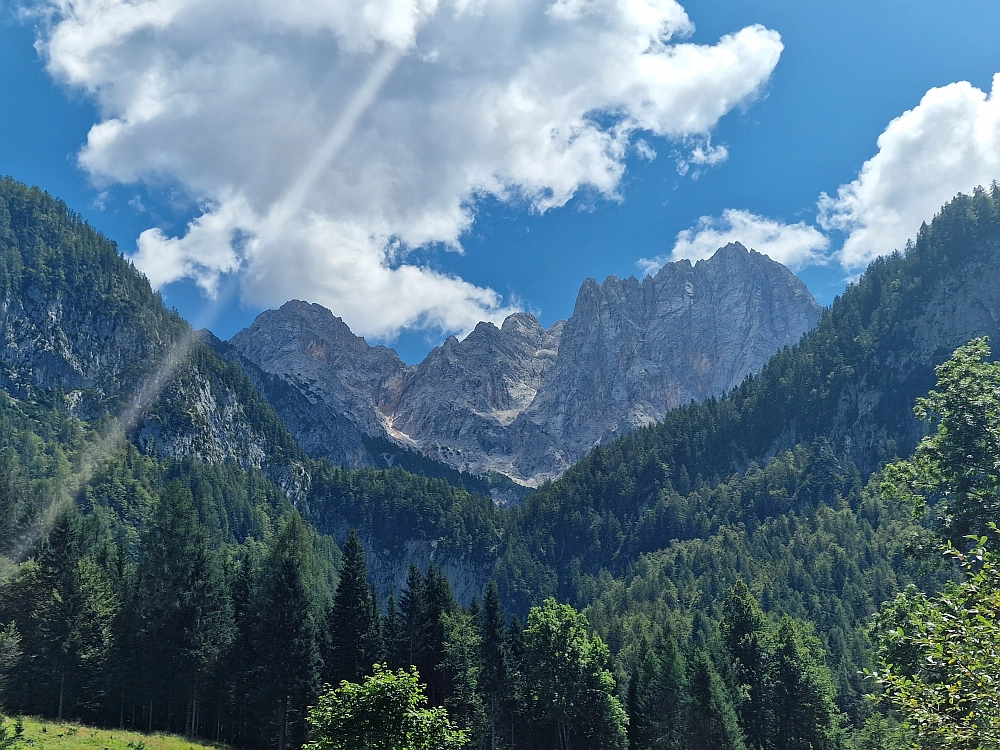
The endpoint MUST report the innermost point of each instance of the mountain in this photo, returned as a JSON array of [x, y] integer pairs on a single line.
[[633, 350], [527, 402], [81, 331], [774, 483], [844, 395], [336, 383]]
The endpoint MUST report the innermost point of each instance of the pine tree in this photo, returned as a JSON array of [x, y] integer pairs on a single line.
[[354, 622]]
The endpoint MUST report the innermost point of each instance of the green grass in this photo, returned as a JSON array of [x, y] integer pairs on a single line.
[[40, 734]]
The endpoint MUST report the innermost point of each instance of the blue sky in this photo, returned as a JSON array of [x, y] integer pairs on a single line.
[[306, 152]]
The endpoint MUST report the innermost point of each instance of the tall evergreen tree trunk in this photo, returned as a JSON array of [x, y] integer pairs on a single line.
[[62, 691], [282, 722], [493, 722], [191, 729]]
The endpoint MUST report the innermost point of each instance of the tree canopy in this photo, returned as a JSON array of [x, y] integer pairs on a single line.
[[386, 711]]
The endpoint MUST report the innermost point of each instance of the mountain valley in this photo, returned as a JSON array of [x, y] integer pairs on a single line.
[[197, 534]]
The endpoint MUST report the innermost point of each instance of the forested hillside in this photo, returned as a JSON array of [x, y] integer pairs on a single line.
[[172, 557], [841, 400]]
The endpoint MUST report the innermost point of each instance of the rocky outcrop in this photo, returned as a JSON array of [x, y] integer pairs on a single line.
[[329, 386], [522, 400], [79, 342], [459, 402], [633, 350]]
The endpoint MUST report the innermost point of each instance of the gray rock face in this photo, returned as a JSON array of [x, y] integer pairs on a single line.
[[525, 401], [634, 350], [337, 386], [139, 365], [459, 402], [51, 339]]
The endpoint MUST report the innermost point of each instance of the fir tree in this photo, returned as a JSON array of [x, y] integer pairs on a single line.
[[747, 639]]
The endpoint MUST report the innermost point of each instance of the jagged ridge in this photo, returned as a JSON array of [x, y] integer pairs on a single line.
[[524, 401]]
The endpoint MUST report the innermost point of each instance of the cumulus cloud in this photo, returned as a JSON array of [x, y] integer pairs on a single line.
[[327, 141], [794, 245], [949, 143]]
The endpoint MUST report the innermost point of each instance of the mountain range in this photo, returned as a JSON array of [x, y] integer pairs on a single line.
[[520, 400]]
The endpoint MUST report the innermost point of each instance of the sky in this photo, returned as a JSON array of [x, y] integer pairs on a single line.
[[417, 166]]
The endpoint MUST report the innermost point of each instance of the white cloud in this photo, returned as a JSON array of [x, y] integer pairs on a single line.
[[644, 150], [327, 140], [794, 245], [949, 143], [701, 154]]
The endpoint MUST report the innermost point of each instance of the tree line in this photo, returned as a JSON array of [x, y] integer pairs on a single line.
[[234, 642]]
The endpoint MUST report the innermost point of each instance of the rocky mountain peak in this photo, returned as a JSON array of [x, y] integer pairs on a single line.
[[526, 401], [315, 351]]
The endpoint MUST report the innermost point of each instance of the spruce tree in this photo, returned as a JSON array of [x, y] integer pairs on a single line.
[[747, 638], [286, 637], [515, 705], [354, 622], [712, 723], [806, 717], [438, 601], [393, 635], [411, 605], [493, 657], [461, 669], [15, 498], [183, 603], [63, 605], [658, 697]]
